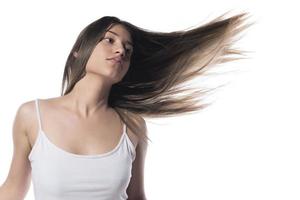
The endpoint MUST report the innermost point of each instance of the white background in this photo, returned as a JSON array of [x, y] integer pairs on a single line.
[[245, 146]]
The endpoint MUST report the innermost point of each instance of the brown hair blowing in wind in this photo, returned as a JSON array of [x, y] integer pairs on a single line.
[[160, 63]]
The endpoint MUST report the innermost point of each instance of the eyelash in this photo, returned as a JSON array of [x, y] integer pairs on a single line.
[[113, 39]]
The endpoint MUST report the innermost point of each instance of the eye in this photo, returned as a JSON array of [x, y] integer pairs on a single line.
[[129, 50], [109, 39]]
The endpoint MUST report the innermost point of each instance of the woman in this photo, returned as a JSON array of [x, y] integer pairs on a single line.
[[90, 142]]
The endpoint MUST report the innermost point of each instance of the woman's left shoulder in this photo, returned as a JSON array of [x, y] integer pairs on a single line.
[[140, 122]]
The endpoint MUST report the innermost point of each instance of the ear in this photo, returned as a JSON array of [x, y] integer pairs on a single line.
[[75, 54]]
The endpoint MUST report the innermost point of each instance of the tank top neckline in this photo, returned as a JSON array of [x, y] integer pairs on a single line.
[[83, 155], [42, 133]]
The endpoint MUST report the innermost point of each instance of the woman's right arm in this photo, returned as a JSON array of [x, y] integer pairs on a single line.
[[18, 180]]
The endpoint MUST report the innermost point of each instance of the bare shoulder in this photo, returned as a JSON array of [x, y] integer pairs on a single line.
[[26, 113], [22, 124], [144, 131], [141, 123], [27, 118], [18, 179]]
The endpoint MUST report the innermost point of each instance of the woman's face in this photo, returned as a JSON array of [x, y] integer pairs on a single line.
[[111, 56]]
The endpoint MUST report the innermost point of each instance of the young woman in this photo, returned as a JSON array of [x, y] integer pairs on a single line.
[[90, 143]]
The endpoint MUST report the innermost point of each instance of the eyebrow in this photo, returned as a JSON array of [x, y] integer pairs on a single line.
[[119, 36]]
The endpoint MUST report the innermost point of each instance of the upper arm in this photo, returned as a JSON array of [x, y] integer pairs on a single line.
[[19, 176], [135, 189]]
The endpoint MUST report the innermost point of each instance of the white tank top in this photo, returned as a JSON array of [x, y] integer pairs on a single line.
[[61, 175]]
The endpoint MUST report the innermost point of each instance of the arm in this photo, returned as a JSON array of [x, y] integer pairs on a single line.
[[17, 182], [135, 188]]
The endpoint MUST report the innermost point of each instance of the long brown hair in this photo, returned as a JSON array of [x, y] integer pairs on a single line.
[[160, 64]]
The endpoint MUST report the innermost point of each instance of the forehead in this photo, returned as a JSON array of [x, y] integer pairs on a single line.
[[120, 31]]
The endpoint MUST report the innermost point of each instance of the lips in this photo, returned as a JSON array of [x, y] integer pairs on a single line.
[[116, 59]]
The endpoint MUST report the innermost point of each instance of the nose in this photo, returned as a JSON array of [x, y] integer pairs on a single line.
[[121, 50]]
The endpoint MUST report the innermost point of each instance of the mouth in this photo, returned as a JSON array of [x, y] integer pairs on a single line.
[[116, 61]]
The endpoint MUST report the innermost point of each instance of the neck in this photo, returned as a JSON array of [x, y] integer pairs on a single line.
[[89, 95]]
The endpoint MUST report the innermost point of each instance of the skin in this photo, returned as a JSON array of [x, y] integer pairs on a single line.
[[78, 117]]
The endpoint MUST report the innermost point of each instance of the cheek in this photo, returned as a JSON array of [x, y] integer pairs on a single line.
[[99, 52], [97, 57]]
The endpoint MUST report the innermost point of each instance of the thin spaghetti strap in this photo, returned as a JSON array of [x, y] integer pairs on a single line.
[[124, 127], [38, 113]]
